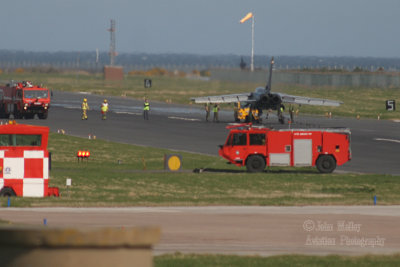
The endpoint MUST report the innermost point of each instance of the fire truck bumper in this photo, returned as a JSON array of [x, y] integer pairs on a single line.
[[53, 192]]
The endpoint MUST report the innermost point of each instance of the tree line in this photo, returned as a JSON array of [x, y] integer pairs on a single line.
[[11, 59]]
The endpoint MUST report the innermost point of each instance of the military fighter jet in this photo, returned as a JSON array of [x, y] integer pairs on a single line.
[[263, 99]]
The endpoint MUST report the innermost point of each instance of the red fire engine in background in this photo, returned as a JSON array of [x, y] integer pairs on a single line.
[[256, 148], [24, 100], [24, 161]]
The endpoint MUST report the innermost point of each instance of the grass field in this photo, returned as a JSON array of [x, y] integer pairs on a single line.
[[141, 181], [365, 102], [178, 260]]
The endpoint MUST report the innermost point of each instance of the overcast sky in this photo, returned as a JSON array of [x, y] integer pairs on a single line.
[[282, 27]]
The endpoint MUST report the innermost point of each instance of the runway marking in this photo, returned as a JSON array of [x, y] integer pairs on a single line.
[[184, 119], [130, 113], [387, 140]]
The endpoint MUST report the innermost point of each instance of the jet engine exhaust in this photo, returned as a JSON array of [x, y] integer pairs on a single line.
[[275, 99]]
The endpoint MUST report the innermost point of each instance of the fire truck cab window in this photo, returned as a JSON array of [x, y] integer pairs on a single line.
[[20, 140], [239, 139], [257, 139], [35, 94]]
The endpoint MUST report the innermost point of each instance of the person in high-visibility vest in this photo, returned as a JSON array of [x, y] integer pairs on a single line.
[[291, 113], [280, 114], [85, 108], [215, 110], [104, 109], [207, 109], [146, 109]]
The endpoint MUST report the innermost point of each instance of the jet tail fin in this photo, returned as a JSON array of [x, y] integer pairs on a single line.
[[268, 87]]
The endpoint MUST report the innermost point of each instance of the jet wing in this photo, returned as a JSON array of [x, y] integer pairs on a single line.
[[302, 100], [224, 98]]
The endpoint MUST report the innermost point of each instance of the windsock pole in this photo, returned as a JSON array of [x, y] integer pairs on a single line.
[[252, 44], [247, 17]]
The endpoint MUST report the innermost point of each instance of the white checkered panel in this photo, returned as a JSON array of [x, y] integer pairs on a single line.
[[46, 168], [13, 168], [32, 154], [33, 188]]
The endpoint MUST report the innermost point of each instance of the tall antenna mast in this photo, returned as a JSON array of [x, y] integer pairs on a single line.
[[112, 42]]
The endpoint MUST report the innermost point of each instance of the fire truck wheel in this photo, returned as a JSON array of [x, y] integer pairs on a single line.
[[255, 163], [42, 116], [326, 164], [7, 192]]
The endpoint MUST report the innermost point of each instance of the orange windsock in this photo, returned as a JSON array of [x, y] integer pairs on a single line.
[[247, 17]]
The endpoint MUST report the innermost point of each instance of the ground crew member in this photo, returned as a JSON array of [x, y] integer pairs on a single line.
[[104, 109], [85, 108], [291, 113], [207, 109], [146, 109], [280, 114], [215, 110], [236, 112]]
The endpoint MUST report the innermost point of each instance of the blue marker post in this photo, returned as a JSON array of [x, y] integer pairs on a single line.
[[375, 198], [9, 202], [44, 221]]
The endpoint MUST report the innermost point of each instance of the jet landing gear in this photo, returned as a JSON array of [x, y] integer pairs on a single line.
[[281, 119]]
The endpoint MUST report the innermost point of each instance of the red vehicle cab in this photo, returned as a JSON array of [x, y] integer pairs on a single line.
[[24, 161], [256, 148], [24, 100]]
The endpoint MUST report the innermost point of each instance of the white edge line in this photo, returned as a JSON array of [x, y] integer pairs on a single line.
[[387, 140]]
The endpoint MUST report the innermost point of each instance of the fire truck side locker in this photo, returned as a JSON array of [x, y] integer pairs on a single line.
[[279, 148], [302, 152]]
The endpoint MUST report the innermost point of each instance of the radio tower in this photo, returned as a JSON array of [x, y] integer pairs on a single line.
[[112, 42]]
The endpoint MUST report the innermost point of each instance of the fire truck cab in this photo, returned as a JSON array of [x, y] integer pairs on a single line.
[[256, 148], [24, 161], [24, 100]]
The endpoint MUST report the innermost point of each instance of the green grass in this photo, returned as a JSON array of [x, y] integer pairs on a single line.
[[365, 102], [139, 180], [178, 259]]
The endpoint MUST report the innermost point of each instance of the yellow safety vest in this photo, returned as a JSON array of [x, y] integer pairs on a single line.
[[85, 105], [146, 106]]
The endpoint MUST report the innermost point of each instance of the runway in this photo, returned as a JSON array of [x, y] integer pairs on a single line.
[[375, 143], [264, 231]]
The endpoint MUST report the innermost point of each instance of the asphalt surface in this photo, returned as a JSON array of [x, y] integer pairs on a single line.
[[242, 230], [375, 143]]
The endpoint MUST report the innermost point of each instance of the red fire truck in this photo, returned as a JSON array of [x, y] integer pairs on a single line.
[[24, 100], [256, 148], [24, 161]]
